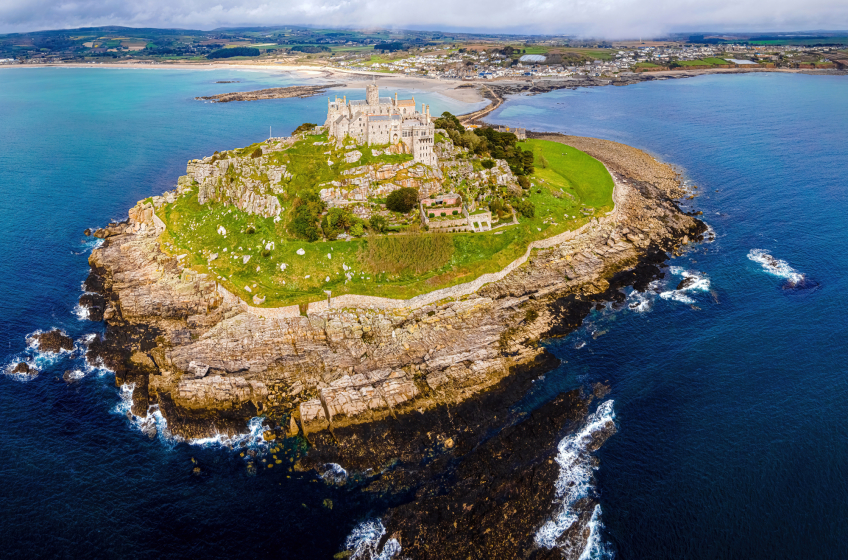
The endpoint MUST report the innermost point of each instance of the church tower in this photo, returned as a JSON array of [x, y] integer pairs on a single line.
[[372, 94]]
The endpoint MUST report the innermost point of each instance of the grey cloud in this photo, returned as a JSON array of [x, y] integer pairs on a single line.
[[601, 18]]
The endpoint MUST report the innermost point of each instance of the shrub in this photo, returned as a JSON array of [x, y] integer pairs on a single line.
[[487, 164], [357, 229], [234, 51], [257, 153], [378, 224], [524, 182], [432, 215], [407, 254], [526, 208], [402, 200], [443, 214], [305, 127], [455, 212], [307, 209]]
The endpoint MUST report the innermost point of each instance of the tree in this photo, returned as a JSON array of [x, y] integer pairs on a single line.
[[402, 200], [257, 153], [524, 182], [487, 164], [304, 223], [234, 51]]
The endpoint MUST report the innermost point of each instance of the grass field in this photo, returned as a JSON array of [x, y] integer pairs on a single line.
[[570, 189]]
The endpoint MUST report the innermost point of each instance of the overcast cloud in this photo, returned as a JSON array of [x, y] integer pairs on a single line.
[[599, 18]]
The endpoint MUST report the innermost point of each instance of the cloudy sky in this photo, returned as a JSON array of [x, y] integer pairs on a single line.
[[595, 18]]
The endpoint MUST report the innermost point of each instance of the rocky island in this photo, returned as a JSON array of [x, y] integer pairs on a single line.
[[387, 314]]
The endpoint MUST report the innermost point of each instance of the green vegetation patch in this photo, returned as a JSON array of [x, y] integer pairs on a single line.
[[267, 257]]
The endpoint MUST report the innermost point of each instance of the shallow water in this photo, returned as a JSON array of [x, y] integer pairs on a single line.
[[730, 398], [729, 404]]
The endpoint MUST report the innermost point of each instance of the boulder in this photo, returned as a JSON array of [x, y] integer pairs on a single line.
[[53, 341], [25, 368]]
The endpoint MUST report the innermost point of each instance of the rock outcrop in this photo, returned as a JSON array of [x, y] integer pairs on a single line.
[[371, 387], [52, 341]]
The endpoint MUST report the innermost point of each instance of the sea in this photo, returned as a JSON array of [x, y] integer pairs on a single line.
[[729, 391]]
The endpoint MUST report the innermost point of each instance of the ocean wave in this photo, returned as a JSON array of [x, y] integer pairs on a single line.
[[642, 302], [776, 267], [253, 439], [575, 475], [81, 312], [152, 424], [364, 541], [692, 282], [595, 548]]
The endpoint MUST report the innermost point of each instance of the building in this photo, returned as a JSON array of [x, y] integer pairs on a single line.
[[384, 120]]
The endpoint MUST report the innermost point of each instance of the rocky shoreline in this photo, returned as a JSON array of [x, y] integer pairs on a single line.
[[269, 93], [413, 403]]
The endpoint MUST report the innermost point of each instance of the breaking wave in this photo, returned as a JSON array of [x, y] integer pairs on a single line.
[[595, 548], [692, 282], [776, 267], [81, 312], [575, 478], [364, 541], [152, 424], [252, 439]]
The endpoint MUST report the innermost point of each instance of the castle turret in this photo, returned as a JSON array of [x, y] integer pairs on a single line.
[[372, 94]]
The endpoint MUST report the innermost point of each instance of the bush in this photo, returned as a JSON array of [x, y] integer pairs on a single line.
[[307, 209], [402, 200], [336, 222], [357, 229], [257, 153], [234, 51], [305, 127], [487, 164], [455, 212], [526, 208], [443, 214], [432, 215], [378, 224], [524, 182]]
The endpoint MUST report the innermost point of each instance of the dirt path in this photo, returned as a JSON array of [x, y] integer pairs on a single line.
[[474, 117]]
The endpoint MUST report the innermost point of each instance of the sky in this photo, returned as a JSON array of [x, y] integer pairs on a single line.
[[609, 19]]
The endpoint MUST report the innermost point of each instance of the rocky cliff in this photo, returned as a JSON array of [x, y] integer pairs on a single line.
[[369, 388]]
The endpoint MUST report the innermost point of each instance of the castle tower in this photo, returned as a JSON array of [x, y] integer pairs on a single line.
[[372, 94]]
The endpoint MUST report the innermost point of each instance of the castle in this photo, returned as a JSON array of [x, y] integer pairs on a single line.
[[383, 120]]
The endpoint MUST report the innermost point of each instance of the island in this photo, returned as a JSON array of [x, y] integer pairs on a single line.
[[376, 290]]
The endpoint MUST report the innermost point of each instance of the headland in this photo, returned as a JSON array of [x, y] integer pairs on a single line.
[[381, 306]]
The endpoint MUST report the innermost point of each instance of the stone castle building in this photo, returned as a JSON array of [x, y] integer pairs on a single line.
[[384, 120]]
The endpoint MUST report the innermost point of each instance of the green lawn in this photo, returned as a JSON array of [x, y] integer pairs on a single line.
[[571, 182]]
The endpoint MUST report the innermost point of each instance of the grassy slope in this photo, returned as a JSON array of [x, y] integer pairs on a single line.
[[192, 230]]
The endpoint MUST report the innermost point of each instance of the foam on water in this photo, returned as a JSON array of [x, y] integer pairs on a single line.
[[776, 267], [697, 282], [334, 474], [595, 548], [151, 424], [575, 475], [81, 312], [364, 540], [253, 439]]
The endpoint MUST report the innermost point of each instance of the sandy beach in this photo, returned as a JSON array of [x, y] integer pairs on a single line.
[[455, 89]]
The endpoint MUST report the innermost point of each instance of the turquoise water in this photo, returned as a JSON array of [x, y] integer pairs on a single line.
[[730, 398]]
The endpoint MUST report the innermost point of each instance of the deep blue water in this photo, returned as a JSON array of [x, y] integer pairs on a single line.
[[79, 147], [730, 400], [733, 440]]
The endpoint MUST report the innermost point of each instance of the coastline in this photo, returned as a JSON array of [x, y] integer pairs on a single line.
[[365, 388], [467, 91]]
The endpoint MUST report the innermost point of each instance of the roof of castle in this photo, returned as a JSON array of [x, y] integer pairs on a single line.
[[406, 103]]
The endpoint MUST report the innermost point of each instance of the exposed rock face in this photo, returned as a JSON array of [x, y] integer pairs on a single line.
[[53, 341], [370, 388]]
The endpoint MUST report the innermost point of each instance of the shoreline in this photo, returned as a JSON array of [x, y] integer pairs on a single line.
[[375, 392], [466, 91]]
